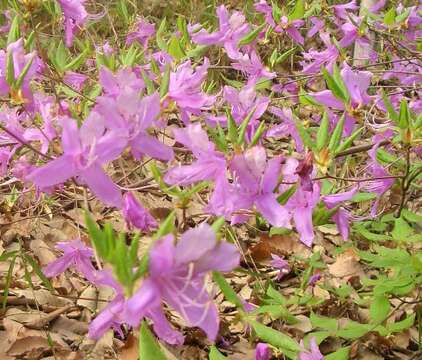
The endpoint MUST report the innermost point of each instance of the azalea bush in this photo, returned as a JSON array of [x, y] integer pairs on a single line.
[[256, 124]]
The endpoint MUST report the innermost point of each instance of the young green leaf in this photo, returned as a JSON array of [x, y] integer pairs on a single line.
[[336, 136], [8, 281], [404, 115], [175, 49], [14, 31], [390, 17], [149, 349], [166, 227], [164, 86], [258, 134], [10, 70], [159, 36], [323, 132], [298, 11], [226, 289], [21, 78], [252, 35], [275, 338], [379, 308], [244, 126], [215, 354]]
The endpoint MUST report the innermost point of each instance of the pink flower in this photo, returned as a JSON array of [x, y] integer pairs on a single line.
[[231, 29], [280, 264], [85, 150], [313, 353], [262, 352], [185, 89], [177, 275], [144, 31], [75, 16], [75, 254], [136, 215]]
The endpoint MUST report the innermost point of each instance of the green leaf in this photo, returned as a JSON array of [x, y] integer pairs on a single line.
[[159, 36], [309, 143], [149, 349], [148, 82], [165, 81], [21, 78], [14, 31], [252, 35], [275, 338], [362, 197], [336, 136], [60, 57], [215, 354], [332, 84], [389, 106], [77, 61], [285, 55], [403, 16], [349, 141], [411, 216], [323, 132], [353, 330], [402, 230], [244, 126], [404, 115], [217, 224], [276, 296], [96, 235], [284, 197], [298, 11], [36, 268], [340, 354], [175, 49], [8, 281], [226, 289], [305, 99], [402, 325], [390, 17], [323, 322], [10, 70], [258, 134], [167, 226], [231, 127], [379, 308]]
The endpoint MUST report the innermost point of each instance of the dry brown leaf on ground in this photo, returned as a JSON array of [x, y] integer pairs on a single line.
[[30, 344], [282, 245], [346, 265]]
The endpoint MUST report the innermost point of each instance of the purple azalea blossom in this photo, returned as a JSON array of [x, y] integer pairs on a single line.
[[280, 264], [144, 31], [342, 216], [75, 16], [5, 156], [75, 80], [313, 279], [317, 26], [313, 353], [226, 200], [252, 66], [303, 201], [258, 178], [131, 117], [185, 89], [262, 351], [85, 150], [46, 107], [231, 29], [177, 276], [357, 84], [75, 254], [20, 60], [136, 215], [342, 11], [286, 128], [114, 84], [210, 164], [313, 59], [289, 27]]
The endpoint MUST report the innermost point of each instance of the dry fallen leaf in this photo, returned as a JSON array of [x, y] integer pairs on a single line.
[[282, 245], [346, 265]]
